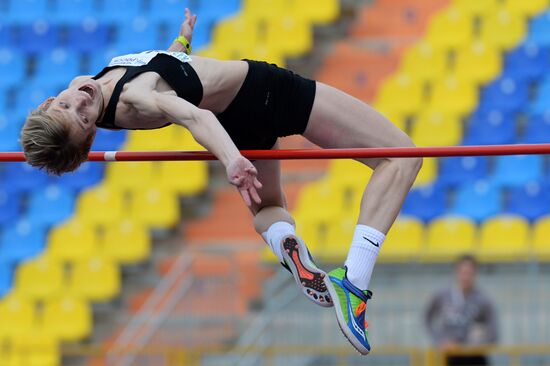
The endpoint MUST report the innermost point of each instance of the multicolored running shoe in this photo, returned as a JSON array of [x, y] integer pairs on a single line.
[[309, 278], [350, 304]]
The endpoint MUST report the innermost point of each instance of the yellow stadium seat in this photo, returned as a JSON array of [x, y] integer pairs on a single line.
[[526, 8], [264, 9], [451, 29], [339, 236], [478, 62], [95, 279], [320, 199], [449, 237], [126, 242], [425, 62], [262, 51], [477, 8], [502, 29], [403, 241], [428, 173], [312, 230], [234, 28], [454, 96], [349, 177], [289, 35], [156, 139], [128, 176], [100, 205], [211, 51], [155, 207], [402, 94], [316, 11], [40, 278], [35, 349], [504, 238], [17, 315], [183, 178], [67, 318], [73, 240], [541, 239], [398, 119], [435, 128]]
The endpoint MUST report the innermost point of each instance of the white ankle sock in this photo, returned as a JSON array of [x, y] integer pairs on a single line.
[[362, 255], [275, 234]]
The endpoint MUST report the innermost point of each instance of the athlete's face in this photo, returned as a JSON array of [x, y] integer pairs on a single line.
[[465, 273], [80, 106]]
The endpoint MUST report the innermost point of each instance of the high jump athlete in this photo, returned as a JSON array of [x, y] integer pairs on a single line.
[[230, 106]]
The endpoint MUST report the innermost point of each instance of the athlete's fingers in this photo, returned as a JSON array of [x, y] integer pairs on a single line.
[[251, 170], [257, 183], [255, 195], [245, 196], [187, 14], [237, 180], [193, 21]]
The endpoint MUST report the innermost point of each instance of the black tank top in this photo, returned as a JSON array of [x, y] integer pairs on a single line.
[[177, 73]]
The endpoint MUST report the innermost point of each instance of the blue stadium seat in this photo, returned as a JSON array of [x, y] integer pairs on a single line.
[[86, 175], [539, 30], [537, 129], [31, 95], [71, 11], [5, 41], [425, 203], [119, 11], [477, 201], [517, 170], [6, 274], [9, 134], [171, 10], [529, 61], [540, 104], [465, 169], [96, 61], [25, 11], [532, 200], [505, 94], [138, 35], [22, 241], [50, 205], [56, 66], [108, 140], [10, 205], [88, 36], [24, 177], [217, 9], [13, 66], [38, 37], [3, 99], [490, 127]]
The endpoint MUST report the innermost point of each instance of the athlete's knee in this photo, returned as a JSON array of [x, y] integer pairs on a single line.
[[268, 215]]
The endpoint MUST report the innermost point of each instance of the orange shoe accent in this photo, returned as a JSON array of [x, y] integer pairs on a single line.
[[360, 308], [304, 273], [366, 324]]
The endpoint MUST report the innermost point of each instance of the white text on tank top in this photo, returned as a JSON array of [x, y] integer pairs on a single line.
[[143, 58]]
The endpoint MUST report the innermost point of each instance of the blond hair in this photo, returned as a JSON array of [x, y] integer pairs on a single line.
[[47, 144]]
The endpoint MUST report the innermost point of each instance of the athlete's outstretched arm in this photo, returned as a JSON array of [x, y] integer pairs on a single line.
[[186, 30], [207, 130]]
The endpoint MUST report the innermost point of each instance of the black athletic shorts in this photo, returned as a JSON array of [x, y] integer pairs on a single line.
[[272, 102]]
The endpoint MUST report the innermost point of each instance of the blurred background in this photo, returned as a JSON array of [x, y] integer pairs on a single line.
[[158, 264]]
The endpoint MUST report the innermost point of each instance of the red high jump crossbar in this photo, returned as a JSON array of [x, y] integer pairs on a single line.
[[296, 154]]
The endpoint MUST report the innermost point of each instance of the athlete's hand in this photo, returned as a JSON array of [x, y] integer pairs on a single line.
[[242, 174], [186, 28]]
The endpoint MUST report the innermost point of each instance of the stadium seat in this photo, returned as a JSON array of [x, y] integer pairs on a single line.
[[12, 67], [25, 11], [100, 205], [88, 174], [56, 66], [231, 28], [532, 200], [454, 96], [541, 239], [434, 128], [67, 319], [537, 129], [449, 237], [34, 348], [428, 173], [333, 248], [137, 35], [478, 62], [465, 169], [6, 274], [538, 30], [108, 140], [126, 242], [129, 176], [10, 205], [72, 11], [526, 8], [37, 37], [120, 11], [398, 119], [404, 240], [452, 28], [490, 127], [517, 170], [34, 93], [503, 29], [24, 177], [73, 240], [528, 61], [39, 279], [505, 94], [315, 197], [477, 201], [289, 35], [9, 134], [17, 316], [477, 8], [88, 36], [504, 238], [317, 11], [23, 240], [426, 62], [425, 203], [402, 94], [183, 178], [158, 139], [50, 205], [155, 208], [95, 279]]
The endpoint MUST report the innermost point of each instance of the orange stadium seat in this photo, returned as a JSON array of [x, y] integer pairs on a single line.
[[448, 237], [502, 29], [40, 278], [67, 319], [403, 241], [73, 240], [17, 316], [95, 279], [504, 238], [126, 242]]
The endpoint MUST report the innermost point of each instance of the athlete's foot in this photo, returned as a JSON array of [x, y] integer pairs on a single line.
[[309, 278], [350, 304]]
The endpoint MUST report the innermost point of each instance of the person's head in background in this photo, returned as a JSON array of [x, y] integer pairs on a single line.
[[466, 272]]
